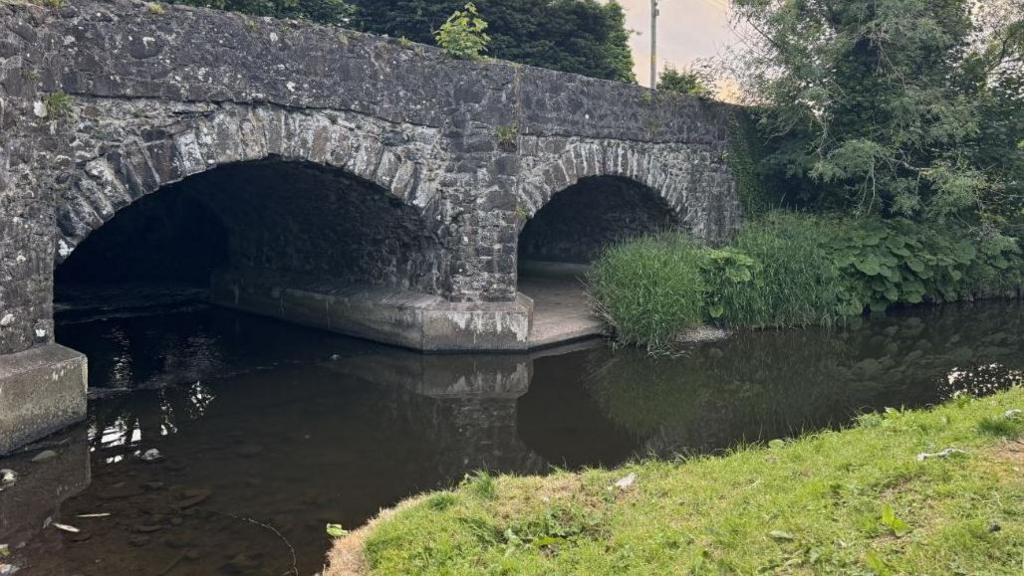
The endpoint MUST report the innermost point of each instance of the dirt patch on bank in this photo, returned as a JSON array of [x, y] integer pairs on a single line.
[[347, 557]]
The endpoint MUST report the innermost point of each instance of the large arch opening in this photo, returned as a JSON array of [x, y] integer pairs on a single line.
[[567, 234], [269, 228]]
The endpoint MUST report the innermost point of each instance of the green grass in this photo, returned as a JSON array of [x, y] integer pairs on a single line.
[[650, 289], [854, 502], [796, 282], [789, 269]]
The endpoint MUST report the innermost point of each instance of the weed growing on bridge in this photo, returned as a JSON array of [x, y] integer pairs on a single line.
[[464, 35], [58, 104], [155, 8], [507, 136]]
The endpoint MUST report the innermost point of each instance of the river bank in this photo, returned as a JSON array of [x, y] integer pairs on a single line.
[[788, 269], [903, 492]]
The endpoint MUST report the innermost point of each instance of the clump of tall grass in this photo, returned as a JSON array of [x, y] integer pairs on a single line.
[[796, 281], [650, 290]]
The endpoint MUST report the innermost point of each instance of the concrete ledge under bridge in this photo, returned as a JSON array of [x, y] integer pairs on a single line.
[[556, 312]]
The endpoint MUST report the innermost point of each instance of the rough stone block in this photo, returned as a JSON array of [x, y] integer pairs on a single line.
[[42, 390]]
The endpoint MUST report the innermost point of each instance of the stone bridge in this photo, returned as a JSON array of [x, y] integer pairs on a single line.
[[361, 184]]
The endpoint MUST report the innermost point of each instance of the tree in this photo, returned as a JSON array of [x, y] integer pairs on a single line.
[[580, 36], [874, 105], [695, 82], [463, 34]]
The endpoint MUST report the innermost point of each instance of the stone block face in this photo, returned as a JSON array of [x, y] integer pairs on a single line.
[[42, 390]]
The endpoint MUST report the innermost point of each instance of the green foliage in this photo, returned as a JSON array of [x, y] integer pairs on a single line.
[[480, 484], [745, 157], [725, 270], [893, 262], [155, 8], [58, 104], [463, 34], [586, 37], [650, 290], [892, 523], [442, 501], [787, 269], [1001, 427], [796, 283], [827, 503], [883, 106], [507, 137], [695, 82], [336, 12]]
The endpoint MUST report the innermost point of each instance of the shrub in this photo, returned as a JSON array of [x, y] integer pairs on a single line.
[[896, 262], [650, 290], [463, 34]]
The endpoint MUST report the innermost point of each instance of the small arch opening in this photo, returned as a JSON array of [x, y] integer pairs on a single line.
[[565, 236], [582, 220]]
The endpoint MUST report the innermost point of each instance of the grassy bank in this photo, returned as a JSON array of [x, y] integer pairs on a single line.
[[858, 501], [790, 269]]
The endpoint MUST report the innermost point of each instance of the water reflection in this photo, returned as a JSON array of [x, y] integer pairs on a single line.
[[30, 506], [763, 385], [271, 425]]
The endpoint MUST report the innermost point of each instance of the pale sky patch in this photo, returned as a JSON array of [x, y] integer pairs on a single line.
[[687, 30]]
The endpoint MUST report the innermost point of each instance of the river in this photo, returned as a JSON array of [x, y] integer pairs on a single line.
[[266, 432]]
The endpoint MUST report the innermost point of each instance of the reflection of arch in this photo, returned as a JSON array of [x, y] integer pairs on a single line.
[[232, 134]]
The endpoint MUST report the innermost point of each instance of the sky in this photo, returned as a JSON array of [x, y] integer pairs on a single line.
[[687, 30]]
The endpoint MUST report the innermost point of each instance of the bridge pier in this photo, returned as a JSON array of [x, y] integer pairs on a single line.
[[395, 316], [42, 390]]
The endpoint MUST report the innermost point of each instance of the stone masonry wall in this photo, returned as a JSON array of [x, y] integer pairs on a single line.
[[157, 96]]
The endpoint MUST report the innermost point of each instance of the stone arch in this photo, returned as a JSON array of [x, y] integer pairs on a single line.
[[156, 155], [692, 180], [361, 171]]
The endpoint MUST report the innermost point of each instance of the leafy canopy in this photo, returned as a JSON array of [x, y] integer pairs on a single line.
[[695, 82], [878, 105], [581, 36]]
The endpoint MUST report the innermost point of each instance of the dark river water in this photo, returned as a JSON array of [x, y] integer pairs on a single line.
[[268, 431]]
